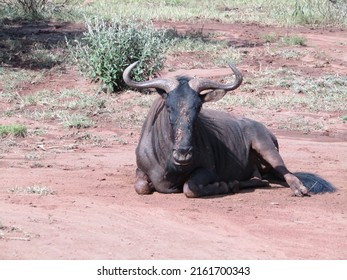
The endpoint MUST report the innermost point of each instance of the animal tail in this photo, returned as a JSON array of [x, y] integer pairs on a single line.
[[315, 183]]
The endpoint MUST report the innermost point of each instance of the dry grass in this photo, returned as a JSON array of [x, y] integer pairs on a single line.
[[32, 190]]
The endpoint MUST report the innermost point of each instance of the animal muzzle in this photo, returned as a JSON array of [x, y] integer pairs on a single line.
[[182, 156]]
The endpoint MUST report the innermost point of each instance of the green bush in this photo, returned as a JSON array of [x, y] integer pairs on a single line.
[[107, 48]]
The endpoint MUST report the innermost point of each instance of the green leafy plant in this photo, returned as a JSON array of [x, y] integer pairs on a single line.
[[107, 48]]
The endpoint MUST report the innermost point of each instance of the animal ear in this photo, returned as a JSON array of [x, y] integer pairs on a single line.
[[213, 95]]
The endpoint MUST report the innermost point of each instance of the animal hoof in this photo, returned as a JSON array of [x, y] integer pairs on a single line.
[[301, 192], [187, 190], [297, 186]]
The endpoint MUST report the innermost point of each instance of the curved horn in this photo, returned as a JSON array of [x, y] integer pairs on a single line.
[[165, 84], [199, 85]]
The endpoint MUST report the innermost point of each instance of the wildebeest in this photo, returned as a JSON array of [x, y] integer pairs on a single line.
[[206, 152]]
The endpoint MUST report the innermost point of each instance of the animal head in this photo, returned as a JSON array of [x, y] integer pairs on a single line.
[[183, 98]]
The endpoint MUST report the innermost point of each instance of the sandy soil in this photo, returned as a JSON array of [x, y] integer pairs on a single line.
[[94, 212]]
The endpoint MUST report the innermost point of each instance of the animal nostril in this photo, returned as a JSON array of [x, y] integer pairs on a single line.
[[185, 151], [182, 155]]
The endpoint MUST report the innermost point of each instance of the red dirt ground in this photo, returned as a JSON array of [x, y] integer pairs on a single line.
[[94, 212]]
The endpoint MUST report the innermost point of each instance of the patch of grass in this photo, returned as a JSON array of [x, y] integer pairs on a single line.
[[77, 121], [204, 46], [182, 10], [69, 99], [86, 137], [275, 12], [34, 156], [294, 40], [40, 190], [191, 40], [16, 130], [38, 131], [325, 93], [69, 106], [130, 119], [120, 140], [270, 37], [12, 80], [225, 56], [42, 57], [319, 12], [140, 99], [299, 123], [37, 165], [290, 53]]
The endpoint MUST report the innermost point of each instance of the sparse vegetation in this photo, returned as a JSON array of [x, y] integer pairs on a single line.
[[294, 12], [12, 80], [326, 93], [290, 40], [218, 51], [290, 53], [320, 12], [70, 107], [270, 37]]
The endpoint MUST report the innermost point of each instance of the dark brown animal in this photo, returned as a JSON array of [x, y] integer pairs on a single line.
[[206, 152]]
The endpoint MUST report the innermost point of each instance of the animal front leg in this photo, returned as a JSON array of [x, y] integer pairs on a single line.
[[204, 183], [143, 184]]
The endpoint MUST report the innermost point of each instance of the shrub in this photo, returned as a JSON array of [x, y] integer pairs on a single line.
[[107, 48], [37, 9]]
